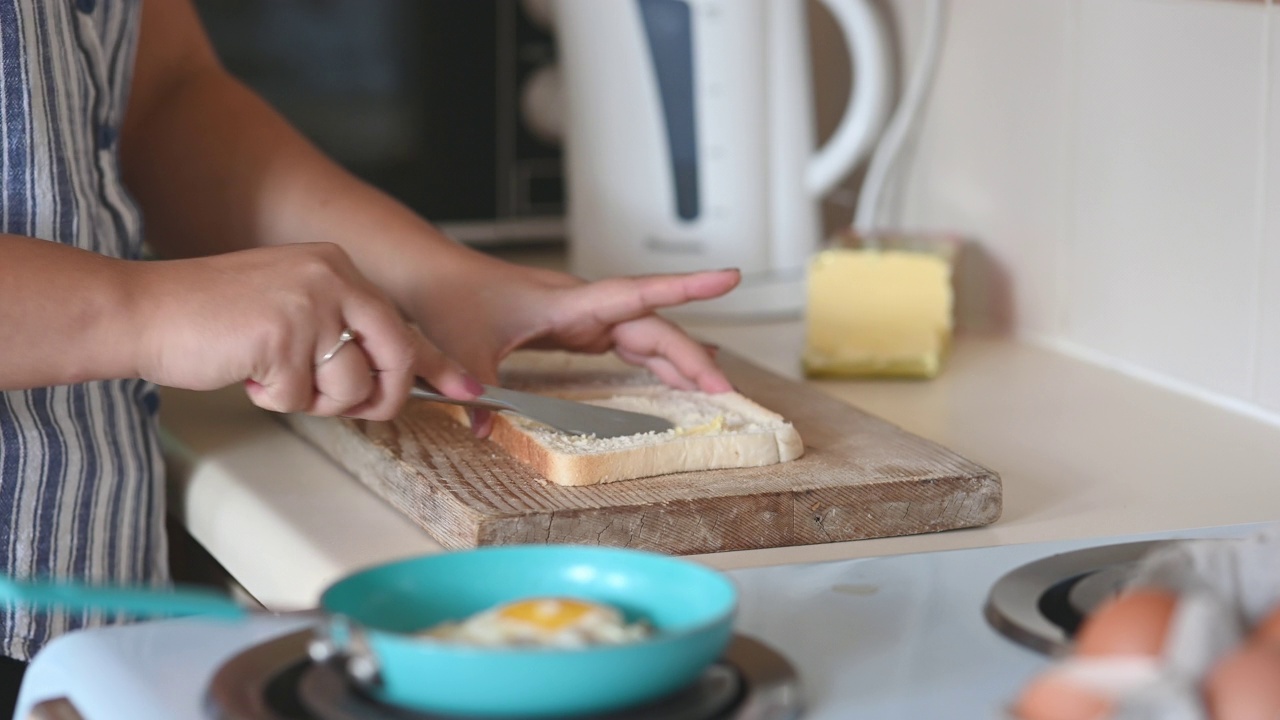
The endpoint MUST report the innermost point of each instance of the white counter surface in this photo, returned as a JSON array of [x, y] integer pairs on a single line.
[[1084, 452]]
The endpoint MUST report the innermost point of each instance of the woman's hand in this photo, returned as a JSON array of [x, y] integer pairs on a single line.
[[252, 181], [514, 307], [267, 317]]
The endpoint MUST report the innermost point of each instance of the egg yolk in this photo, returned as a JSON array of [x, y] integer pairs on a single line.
[[549, 614]]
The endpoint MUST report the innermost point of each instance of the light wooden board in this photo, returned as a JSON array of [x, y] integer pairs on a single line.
[[860, 477]]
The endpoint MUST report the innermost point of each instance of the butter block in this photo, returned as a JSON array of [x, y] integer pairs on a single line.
[[877, 312]]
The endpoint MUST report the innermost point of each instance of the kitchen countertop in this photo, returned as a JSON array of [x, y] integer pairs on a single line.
[[1084, 452]]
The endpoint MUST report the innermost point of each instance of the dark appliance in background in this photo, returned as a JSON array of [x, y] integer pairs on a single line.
[[422, 98]]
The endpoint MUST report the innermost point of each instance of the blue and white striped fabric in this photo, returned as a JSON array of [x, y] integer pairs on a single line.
[[80, 466]]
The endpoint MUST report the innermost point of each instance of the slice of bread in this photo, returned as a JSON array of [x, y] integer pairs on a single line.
[[724, 430]]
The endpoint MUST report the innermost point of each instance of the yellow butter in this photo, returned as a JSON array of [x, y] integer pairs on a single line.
[[715, 425], [877, 313]]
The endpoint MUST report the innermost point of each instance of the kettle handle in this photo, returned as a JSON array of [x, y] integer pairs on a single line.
[[869, 98]]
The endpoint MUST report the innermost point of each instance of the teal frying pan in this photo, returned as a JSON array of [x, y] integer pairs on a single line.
[[373, 614]]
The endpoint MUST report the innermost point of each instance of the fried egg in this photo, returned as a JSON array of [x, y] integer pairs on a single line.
[[543, 622]]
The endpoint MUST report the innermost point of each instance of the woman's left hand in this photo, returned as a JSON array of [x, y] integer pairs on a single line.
[[522, 307]]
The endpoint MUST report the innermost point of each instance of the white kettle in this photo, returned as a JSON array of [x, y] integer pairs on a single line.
[[689, 138]]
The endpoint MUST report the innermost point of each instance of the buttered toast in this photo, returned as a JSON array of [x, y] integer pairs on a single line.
[[724, 430]]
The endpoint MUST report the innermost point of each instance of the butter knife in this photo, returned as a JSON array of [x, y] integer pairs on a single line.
[[567, 416]]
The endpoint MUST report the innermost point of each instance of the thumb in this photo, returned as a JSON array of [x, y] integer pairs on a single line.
[[442, 372]]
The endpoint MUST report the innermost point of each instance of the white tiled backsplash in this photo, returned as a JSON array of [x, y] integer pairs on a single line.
[[1118, 162]]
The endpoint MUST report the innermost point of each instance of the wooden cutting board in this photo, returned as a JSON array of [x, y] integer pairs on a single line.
[[860, 477]]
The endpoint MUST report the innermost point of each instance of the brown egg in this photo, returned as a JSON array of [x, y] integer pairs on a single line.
[[1054, 696], [1131, 624], [1245, 685], [1268, 631]]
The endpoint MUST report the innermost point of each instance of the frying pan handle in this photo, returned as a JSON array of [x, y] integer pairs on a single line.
[[137, 601], [343, 641]]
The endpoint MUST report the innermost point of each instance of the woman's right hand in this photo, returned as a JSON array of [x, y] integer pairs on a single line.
[[266, 317]]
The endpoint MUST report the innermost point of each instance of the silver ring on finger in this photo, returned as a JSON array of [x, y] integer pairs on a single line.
[[347, 336]]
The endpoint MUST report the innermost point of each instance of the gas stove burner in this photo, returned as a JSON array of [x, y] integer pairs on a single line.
[[1041, 604], [277, 681], [326, 694]]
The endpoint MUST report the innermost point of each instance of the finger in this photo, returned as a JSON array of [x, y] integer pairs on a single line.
[[616, 300], [343, 383], [712, 283], [478, 365], [481, 422], [662, 368], [443, 373], [655, 337], [389, 347], [285, 386]]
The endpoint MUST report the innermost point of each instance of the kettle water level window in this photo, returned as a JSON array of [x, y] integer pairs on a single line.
[[668, 29]]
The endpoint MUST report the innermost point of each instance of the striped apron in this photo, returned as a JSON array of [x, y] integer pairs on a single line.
[[81, 492]]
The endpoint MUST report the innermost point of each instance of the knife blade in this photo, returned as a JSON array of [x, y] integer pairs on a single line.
[[567, 416]]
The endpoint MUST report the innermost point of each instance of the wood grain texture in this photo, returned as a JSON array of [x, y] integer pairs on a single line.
[[860, 477]]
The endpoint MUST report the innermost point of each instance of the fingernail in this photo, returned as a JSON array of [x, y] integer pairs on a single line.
[[473, 385], [481, 422]]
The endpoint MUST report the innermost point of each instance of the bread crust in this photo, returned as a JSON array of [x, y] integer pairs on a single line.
[[770, 440]]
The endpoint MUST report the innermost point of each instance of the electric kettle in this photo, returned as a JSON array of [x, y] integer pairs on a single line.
[[689, 138]]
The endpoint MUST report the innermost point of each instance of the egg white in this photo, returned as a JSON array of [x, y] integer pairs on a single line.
[[543, 622]]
